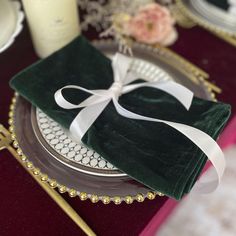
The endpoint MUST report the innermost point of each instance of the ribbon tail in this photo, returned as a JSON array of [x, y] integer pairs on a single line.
[[206, 184], [85, 118], [208, 145]]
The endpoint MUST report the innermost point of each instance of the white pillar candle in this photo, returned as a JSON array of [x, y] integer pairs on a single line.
[[53, 23]]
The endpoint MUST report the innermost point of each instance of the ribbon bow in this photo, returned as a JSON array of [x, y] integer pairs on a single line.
[[97, 102]]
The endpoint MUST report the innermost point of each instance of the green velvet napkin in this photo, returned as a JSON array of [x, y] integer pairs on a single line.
[[152, 153]]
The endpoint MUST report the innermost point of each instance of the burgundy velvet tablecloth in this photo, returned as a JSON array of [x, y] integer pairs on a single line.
[[26, 210]]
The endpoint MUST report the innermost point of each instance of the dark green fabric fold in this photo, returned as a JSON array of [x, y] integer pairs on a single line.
[[152, 153]]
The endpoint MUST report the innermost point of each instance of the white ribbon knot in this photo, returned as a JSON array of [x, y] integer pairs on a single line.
[[116, 88], [97, 102]]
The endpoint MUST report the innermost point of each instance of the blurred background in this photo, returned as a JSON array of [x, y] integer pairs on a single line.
[[209, 215]]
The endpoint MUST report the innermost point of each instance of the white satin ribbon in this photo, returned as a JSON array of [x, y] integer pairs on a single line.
[[95, 104]]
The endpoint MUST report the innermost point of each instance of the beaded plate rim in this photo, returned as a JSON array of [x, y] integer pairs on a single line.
[[219, 31], [199, 74]]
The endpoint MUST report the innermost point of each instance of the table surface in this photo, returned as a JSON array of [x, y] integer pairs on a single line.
[[27, 210]]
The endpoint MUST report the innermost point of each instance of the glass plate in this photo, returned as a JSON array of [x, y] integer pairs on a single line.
[[111, 185]]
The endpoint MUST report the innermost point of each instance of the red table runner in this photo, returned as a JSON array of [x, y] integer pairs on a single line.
[[26, 210]]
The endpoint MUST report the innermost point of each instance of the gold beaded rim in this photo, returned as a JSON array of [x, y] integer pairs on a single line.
[[228, 36], [200, 75], [62, 188]]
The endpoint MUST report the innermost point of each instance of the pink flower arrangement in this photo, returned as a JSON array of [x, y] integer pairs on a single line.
[[152, 24]]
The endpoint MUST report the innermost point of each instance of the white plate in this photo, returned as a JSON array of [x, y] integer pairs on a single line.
[[11, 18]]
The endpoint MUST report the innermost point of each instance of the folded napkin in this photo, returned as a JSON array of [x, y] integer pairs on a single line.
[[152, 153]]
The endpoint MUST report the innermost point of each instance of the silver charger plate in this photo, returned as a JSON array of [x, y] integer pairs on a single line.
[[81, 178]]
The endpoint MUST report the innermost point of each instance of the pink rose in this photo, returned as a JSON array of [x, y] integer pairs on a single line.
[[153, 24]]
